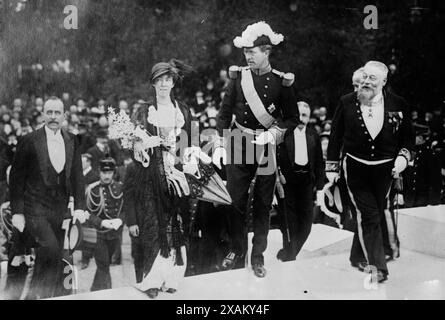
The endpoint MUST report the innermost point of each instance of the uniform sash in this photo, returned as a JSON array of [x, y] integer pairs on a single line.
[[254, 101]]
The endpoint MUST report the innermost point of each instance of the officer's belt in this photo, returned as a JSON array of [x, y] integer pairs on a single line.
[[248, 130]]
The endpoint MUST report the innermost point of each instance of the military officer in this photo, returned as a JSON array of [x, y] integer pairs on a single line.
[[374, 130], [423, 179], [104, 202], [262, 102]]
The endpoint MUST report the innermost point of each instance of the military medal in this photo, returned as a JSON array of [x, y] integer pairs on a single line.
[[271, 108], [370, 113]]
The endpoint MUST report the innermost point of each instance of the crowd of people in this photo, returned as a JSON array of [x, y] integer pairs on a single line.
[[171, 235]]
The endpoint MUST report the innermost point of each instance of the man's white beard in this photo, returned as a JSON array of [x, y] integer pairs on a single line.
[[365, 96]]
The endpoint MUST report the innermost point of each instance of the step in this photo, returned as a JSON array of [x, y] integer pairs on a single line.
[[323, 240], [422, 229], [324, 277]]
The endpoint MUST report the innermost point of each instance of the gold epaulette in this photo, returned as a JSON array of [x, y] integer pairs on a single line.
[[287, 78], [233, 72]]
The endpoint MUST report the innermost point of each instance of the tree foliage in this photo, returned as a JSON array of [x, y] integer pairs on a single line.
[[117, 42]]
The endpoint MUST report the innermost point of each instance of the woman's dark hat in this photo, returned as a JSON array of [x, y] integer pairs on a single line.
[[175, 68]]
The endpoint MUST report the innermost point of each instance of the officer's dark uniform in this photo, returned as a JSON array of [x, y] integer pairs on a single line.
[[279, 100], [369, 184], [104, 202], [422, 181]]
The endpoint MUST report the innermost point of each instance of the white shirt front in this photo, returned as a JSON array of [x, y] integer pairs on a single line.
[[56, 149], [301, 157], [373, 115]]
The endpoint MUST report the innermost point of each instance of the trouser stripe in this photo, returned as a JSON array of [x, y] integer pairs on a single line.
[[390, 226], [358, 213]]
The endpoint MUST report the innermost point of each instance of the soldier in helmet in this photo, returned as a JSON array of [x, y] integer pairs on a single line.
[[263, 103], [104, 202]]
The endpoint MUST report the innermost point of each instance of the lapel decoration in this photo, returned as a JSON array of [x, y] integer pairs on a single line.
[[395, 119]]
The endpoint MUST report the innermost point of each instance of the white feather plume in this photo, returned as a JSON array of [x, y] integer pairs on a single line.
[[254, 31]]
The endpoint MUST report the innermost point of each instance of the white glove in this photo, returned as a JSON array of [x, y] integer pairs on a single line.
[[400, 199], [134, 230], [264, 138], [108, 224], [116, 223], [332, 176], [80, 215], [218, 154], [192, 154], [320, 197], [18, 221], [399, 165], [152, 141]]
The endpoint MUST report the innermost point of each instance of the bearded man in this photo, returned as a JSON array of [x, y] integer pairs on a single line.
[[373, 131]]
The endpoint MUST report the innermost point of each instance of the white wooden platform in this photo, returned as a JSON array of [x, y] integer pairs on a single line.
[[322, 270], [423, 230]]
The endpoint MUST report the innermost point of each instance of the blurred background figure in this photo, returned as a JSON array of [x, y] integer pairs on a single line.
[[422, 179]]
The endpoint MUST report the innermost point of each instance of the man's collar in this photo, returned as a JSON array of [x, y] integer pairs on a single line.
[[261, 71], [298, 130], [378, 97], [51, 133]]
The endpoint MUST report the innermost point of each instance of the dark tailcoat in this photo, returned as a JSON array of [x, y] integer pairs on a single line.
[[349, 130], [31, 184], [369, 184], [423, 181], [297, 215], [42, 195], [315, 156]]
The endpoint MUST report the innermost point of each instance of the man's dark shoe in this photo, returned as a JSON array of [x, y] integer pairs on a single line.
[[283, 256], [152, 292], [381, 276], [259, 270], [362, 265]]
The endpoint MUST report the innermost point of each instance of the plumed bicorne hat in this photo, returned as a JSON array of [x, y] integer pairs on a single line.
[[258, 34]]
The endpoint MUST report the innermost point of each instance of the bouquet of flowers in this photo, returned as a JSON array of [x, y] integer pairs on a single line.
[[197, 177], [131, 136]]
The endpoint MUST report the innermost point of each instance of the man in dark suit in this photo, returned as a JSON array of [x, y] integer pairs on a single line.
[[301, 162], [372, 130], [6, 155], [46, 171], [104, 148], [422, 180]]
